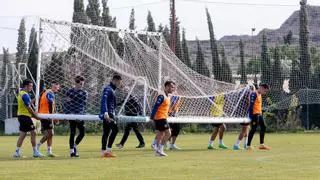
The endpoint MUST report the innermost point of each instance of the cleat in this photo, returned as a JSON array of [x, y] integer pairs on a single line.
[[51, 155], [108, 155], [250, 148], [161, 153], [264, 147], [74, 155], [211, 147], [17, 155], [174, 147], [38, 155], [222, 146], [235, 147], [141, 146], [245, 146], [119, 146], [154, 147]]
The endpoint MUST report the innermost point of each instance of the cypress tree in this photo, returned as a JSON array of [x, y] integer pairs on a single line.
[[277, 71], [185, 51], [243, 73], [21, 44], [200, 65], [265, 61], [304, 45], [93, 12], [33, 51], [226, 70], [216, 66]]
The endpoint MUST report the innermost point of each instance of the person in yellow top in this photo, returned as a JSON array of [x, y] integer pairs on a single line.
[[25, 112], [47, 106], [217, 111], [159, 115]]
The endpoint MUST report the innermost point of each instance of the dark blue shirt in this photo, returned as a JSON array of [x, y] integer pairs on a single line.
[[108, 101], [76, 102]]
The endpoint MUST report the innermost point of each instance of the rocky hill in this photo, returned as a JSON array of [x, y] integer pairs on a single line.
[[252, 44]]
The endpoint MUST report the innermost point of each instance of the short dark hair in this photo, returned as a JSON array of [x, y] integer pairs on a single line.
[[167, 83], [264, 85], [26, 82], [54, 82], [116, 77], [78, 78]]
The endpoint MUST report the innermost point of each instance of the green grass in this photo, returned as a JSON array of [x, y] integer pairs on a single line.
[[293, 156]]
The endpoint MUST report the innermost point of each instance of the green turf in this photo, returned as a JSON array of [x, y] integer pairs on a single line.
[[293, 156]]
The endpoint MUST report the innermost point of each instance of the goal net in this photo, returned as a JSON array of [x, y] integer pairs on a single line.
[[145, 62]]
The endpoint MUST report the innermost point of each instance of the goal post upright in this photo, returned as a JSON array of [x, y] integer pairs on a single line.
[[38, 66]]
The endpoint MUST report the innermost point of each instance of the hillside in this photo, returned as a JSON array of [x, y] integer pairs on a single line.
[[252, 44]]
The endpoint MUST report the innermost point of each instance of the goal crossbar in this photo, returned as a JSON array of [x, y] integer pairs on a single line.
[[181, 119]]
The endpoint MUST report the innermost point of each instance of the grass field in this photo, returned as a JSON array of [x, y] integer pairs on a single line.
[[293, 156]]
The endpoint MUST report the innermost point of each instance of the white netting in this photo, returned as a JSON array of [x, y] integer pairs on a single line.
[[146, 63]]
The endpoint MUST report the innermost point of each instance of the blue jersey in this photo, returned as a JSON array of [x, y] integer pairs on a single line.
[[76, 101], [108, 101]]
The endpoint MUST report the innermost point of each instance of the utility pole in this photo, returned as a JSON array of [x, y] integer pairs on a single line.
[[255, 80], [173, 25]]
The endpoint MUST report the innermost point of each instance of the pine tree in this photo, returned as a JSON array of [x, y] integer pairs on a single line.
[[216, 66], [304, 45], [21, 45], [5, 67], [151, 24], [226, 70], [33, 51], [79, 15], [54, 71], [178, 50], [277, 71], [265, 61], [243, 73], [93, 12], [185, 51], [106, 18], [132, 25], [200, 65]]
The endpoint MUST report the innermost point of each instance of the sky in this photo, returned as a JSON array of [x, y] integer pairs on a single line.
[[229, 17]]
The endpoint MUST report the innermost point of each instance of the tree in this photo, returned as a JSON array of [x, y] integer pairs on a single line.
[[265, 60], [54, 71], [79, 15], [132, 25], [226, 70], [254, 65], [93, 12], [277, 71], [214, 49], [5, 67], [243, 74], [304, 45], [33, 51], [178, 50], [151, 24], [21, 45], [185, 51], [288, 38], [294, 82], [200, 65]]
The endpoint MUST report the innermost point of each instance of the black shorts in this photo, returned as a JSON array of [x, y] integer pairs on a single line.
[[244, 124], [26, 123], [216, 124], [161, 124], [46, 124]]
